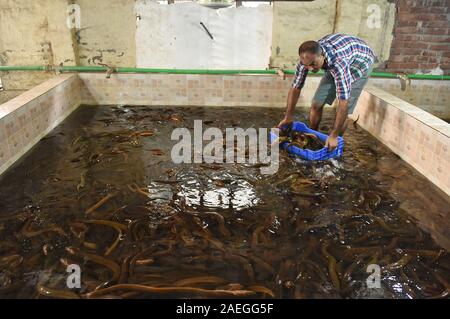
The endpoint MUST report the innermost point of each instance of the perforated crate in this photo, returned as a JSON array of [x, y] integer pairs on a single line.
[[319, 155]]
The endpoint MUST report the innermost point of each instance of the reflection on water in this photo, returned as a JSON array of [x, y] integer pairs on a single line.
[[236, 195], [159, 192], [102, 192]]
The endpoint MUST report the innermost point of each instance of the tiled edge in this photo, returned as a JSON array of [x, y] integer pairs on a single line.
[[30, 116], [191, 89], [432, 96], [414, 111], [32, 94], [419, 138]]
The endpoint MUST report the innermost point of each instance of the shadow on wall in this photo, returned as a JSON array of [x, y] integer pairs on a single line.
[[372, 112]]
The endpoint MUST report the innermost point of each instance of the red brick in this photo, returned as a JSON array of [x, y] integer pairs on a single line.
[[430, 17], [395, 50], [407, 3], [400, 58], [428, 65], [421, 58], [421, 36], [407, 37], [417, 45], [428, 53], [404, 7], [406, 16], [437, 31], [425, 17], [436, 24], [403, 65], [407, 23], [393, 65], [391, 70], [398, 44], [439, 47], [411, 51], [438, 4], [439, 10], [435, 38], [417, 10], [426, 10], [405, 30]]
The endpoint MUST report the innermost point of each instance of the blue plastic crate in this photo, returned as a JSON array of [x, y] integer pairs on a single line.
[[319, 155]]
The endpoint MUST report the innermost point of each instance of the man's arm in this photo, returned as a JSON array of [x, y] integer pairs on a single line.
[[342, 77], [341, 117], [292, 100], [294, 93]]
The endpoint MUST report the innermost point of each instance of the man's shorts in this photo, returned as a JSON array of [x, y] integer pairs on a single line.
[[326, 92]]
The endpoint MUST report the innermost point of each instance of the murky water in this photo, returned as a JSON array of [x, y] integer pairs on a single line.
[[101, 191]]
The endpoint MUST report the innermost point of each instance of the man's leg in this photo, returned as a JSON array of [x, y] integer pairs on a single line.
[[356, 91], [344, 128], [325, 94], [315, 114]]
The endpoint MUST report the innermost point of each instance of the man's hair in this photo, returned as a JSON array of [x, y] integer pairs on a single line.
[[310, 47]]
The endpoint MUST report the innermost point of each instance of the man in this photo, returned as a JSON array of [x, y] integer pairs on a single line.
[[347, 61]]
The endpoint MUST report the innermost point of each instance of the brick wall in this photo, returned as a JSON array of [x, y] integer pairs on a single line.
[[421, 37]]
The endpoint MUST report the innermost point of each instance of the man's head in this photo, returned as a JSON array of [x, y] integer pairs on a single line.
[[311, 55]]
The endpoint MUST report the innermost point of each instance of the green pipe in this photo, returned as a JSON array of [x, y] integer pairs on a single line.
[[194, 71], [191, 71], [22, 68], [429, 77], [82, 68], [384, 75]]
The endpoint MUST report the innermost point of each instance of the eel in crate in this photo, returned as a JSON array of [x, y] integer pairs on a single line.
[[299, 139]]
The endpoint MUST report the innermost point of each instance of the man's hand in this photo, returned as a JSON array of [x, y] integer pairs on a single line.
[[331, 142], [286, 120]]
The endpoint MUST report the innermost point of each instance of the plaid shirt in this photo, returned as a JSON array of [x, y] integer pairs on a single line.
[[347, 59]]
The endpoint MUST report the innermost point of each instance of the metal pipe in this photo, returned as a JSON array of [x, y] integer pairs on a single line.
[[195, 71]]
